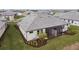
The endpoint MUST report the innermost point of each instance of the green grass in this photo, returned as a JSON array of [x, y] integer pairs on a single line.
[[12, 40], [18, 17]]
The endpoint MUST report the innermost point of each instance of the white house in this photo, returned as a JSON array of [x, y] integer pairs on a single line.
[[21, 12], [33, 24], [3, 27], [71, 17], [9, 15]]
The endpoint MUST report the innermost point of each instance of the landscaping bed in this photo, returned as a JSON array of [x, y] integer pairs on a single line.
[[13, 40], [37, 42]]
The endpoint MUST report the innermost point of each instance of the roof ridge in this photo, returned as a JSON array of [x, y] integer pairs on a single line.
[[35, 21], [32, 20]]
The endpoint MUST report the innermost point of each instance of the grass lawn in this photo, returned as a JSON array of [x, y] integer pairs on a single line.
[[18, 17], [13, 40]]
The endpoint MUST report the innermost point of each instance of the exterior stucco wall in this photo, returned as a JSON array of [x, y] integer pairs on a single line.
[[72, 23], [11, 18], [23, 32], [3, 16], [75, 23], [19, 14], [27, 35], [2, 30], [32, 36], [65, 28]]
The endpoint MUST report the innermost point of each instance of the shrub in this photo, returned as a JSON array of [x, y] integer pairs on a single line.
[[72, 30], [42, 35]]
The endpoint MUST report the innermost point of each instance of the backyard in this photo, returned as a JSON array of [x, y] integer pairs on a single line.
[[13, 40]]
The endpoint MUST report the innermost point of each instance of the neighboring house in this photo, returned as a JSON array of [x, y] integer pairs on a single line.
[[62, 10], [39, 11], [71, 17], [29, 12], [20, 12], [59, 12], [50, 12], [2, 10], [33, 24], [9, 15], [3, 19], [3, 27]]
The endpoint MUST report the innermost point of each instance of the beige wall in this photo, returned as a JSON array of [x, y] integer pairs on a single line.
[[11, 18], [33, 36], [65, 28], [29, 36], [23, 32], [74, 22]]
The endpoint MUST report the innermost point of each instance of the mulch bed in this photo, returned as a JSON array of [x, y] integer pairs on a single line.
[[37, 42]]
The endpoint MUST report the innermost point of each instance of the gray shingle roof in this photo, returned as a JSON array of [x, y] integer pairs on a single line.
[[72, 15], [8, 13], [44, 11], [40, 11], [39, 21], [61, 10], [1, 24], [2, 19]]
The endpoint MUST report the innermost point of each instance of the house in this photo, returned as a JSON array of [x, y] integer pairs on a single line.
[[21, 12], [61, 11], [3, 19], [9, 15], [71, 17], [50, 12], [3, 27], [33, 24], [39, 11], [2, 10]]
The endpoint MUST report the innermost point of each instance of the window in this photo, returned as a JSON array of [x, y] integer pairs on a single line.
[[41, 30], [37, 31], [72, 21], [68, 20], [54, 28], [31, 31], [67, 24]]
